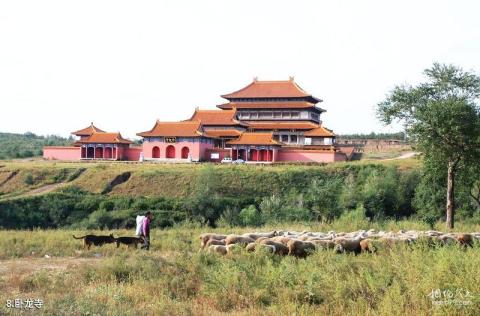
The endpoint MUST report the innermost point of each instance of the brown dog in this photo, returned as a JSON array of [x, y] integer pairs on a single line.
[[89, 240], [129, 241]]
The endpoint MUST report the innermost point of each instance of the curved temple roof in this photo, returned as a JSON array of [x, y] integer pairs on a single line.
[[271, 89], [319, 132], [87, 131], [104, 138], [216, 117], [255, 139], [175, 129]]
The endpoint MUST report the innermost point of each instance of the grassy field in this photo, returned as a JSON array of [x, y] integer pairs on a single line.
[[175, 278]]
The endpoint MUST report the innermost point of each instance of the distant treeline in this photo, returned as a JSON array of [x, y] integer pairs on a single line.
[[372, 135], [28, 144]]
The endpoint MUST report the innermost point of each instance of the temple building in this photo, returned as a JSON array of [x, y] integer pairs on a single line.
[[185, 140], [94, 144], [266, 121]]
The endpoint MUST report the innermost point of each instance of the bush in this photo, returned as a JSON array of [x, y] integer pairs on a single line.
[[323, 199], [380, 194], [28, 179], [250, 216]]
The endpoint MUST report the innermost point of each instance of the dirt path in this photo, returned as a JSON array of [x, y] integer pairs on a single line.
[[44, 189], [30, 265], [406, 155], [41, 190]]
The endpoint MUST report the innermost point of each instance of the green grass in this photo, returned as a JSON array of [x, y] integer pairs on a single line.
[[169, 180], [175, 278]]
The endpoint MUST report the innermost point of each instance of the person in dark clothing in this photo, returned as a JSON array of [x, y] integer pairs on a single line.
[[146, 230]]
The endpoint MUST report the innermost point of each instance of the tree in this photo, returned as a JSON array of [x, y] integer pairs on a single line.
[[442, 118]]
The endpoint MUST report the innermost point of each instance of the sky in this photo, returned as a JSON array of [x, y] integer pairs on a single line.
[[124, 64]]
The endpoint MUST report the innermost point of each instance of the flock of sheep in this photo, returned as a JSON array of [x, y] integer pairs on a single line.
[[301, 244]]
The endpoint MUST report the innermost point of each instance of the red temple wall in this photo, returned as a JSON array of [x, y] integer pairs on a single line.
[[196, 150], [132, 153], [61, 153], [309, 156]]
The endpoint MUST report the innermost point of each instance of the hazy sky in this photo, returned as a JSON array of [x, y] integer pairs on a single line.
[[123, 64]]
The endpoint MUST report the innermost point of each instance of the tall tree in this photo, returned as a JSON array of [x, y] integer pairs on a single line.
[[442, 118]]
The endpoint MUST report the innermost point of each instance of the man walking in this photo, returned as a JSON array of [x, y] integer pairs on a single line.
[[146, 230]]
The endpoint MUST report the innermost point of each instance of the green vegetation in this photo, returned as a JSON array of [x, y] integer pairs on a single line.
[[442, 116], [373, 135], [175, 278], [219, 195], [28, 144]]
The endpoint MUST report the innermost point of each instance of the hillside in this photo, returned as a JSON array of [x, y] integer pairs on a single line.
[[18, 179], [27, 145], [56, 194]]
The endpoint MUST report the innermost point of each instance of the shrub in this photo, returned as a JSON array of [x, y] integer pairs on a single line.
[[28, 179], [380, 194], [323, 198], [250, 216]]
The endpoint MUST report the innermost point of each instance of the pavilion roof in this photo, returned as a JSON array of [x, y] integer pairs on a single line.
[[175, 129], [104, 138], [88, 131], [224, 133], [319, 132], [282, 125], [216, 117], [255, 139], [271, 89], [270, 105]]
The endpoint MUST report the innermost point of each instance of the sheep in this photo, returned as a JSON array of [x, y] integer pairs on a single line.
[[300, 249], [218, 249], [268, 248], [236, 239], [215, 242], [391, 242], [231, 248], [445, 239], [280, 239], [465, 240], [261, 238], [348, 245], [251, 247], [255, 236], [366, 245], [204, 238], [323, 243], [280, 249]]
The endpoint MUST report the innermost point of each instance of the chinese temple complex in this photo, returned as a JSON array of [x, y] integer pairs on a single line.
[[266, 121]]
